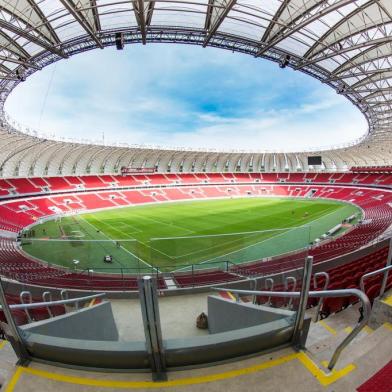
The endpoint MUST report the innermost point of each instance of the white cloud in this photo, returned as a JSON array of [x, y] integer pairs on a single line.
[[145, 96]]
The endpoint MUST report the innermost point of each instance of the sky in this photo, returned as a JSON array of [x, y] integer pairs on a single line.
[[184, 96]]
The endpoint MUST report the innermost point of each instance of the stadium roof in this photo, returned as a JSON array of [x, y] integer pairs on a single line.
[[344, 43]]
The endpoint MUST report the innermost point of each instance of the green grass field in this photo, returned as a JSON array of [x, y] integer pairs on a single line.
[[172, 236]]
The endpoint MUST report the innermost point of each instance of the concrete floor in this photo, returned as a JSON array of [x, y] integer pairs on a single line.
[[178, 316], [282, 370]]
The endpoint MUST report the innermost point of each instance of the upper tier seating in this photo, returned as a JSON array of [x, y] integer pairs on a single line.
[[16, 214], [33, 186]]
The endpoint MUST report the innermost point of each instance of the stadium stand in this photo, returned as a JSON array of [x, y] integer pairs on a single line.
[[16, 214]]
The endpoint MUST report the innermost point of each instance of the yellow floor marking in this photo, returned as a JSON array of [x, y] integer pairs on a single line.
[[327, 327], [14, 379], [164, 384], [388, 326], [231, 296], [2, 343], [325, 364], [323, 378], [388, 300], [367, 329]]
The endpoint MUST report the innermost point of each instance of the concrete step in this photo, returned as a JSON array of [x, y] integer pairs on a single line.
[[368, 364], [364, 342], [7, 361]]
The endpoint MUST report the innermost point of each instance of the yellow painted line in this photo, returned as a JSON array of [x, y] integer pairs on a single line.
[[321, 376], [231, 296], [367, 329], [388, 300], [325, 364], [324, 378], [327, 327], [14, 380], [2, 343], [348, 329], [388, 326], [164, 384]]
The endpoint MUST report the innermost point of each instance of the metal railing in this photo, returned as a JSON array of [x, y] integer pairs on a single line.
[[384, 271], [35, 305], [321, 300], [323, 294]]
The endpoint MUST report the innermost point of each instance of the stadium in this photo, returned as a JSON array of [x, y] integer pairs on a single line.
[[138, 267]]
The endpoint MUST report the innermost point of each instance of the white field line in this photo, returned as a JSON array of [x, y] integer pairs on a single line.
[[166, 255], [134, 229], [112, 227], [222, 235], [167, 224], [131, 238], [305, 225], [126, 250], [260, 242], [157, 250], [286, 230], [241, 249], [211, 247]]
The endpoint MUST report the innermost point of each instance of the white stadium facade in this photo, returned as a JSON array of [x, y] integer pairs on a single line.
[[345, 44], [311, 317]]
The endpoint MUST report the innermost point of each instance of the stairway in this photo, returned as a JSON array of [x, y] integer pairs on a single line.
[[369, 351], [380, 382]]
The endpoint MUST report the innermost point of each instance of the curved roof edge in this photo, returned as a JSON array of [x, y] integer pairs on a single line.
[[345, 44]]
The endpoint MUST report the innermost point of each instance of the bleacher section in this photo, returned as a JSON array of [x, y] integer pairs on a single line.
[[34, 186], [16, 214]]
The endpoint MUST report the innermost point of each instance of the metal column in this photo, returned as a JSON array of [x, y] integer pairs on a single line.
[[12, 332], [385, 278], [303, 300], [152, 327]]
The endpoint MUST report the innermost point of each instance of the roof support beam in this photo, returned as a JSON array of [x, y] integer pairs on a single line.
[[73, 10], [53, 34], [150, 10], [138, 7], [216, 13], [293, 29], [23, 33], [143, 16], [369, 75], [372, 45], [97, 22], [13, 47], [377, 92], [274, 21], [26, 64], [312, 50]]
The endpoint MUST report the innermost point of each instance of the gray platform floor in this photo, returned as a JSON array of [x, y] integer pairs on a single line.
[[178, 316]]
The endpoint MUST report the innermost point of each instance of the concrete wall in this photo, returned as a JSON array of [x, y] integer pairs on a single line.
[[225, 315], [93, 323], [381, 313]]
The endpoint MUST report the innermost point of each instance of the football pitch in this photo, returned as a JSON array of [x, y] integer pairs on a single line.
[[183, 235]]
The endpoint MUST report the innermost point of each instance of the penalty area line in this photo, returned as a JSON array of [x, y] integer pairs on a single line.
[[124, 249]]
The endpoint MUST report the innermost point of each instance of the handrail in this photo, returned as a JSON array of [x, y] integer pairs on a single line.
[[35, 305], [286, 286], [324, 294], [271, 281], [47, 297], [22, 295], [373, 273], [321, 300]]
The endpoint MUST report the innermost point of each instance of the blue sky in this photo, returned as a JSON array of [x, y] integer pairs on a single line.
[[175, 95]]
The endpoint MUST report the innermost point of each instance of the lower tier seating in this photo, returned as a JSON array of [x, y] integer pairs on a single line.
[[15, 215]]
